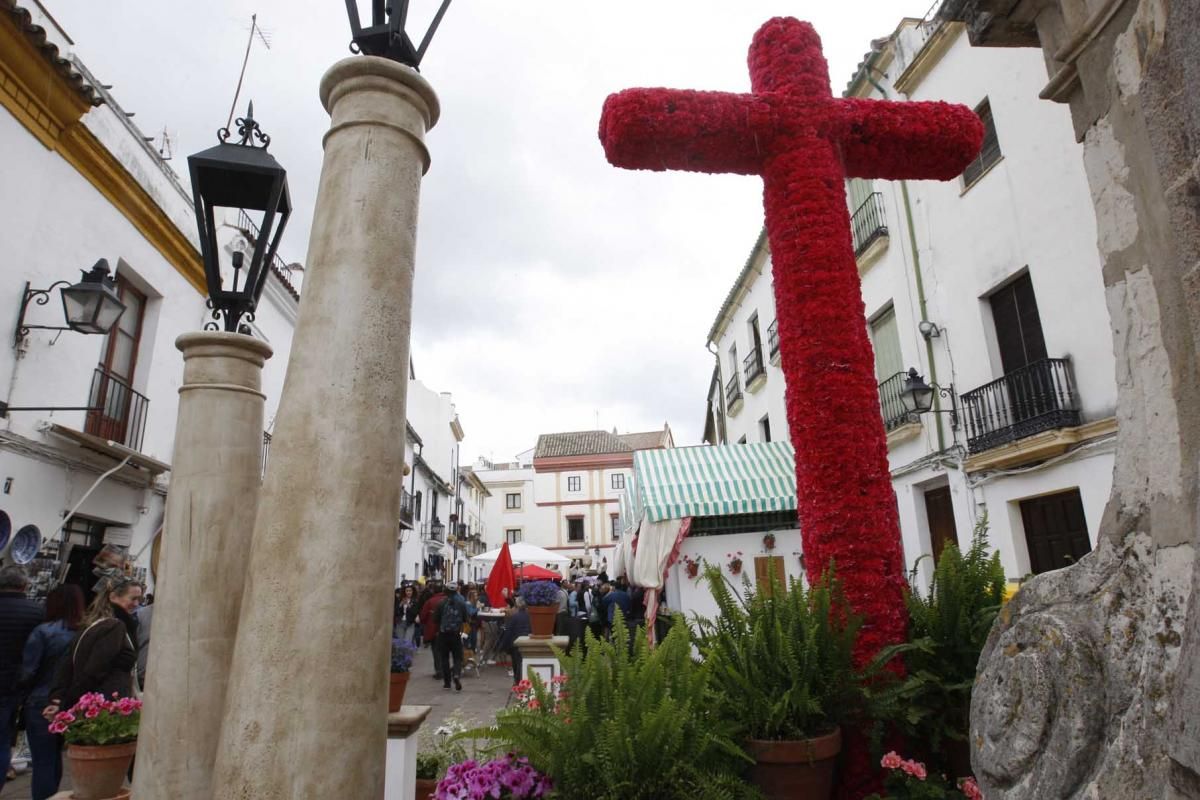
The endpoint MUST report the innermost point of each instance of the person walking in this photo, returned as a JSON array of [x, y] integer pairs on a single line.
[[43, 651], [103, 656], [429, 628], [18, 618], [450, 616]]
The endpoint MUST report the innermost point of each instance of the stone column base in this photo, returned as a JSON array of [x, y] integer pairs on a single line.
[[400, 777], [537, 657]]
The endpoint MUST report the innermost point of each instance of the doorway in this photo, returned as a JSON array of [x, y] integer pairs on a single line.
[[1055, 530], [939, 511]]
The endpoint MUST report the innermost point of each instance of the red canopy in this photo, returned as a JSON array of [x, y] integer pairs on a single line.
[[501, 577], [532, 572]]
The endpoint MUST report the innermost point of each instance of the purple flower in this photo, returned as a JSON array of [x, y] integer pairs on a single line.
[[540, 593]]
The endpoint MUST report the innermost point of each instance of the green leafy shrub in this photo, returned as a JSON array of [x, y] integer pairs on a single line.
[[947, 630], [440, 748], [782, 658], [627, 724]]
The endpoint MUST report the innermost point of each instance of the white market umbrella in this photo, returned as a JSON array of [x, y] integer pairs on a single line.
[[522, 553]]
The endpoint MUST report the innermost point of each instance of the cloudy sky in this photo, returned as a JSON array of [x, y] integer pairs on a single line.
[[553, 291]]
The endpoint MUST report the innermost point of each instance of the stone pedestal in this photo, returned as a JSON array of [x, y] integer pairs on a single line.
[[217, 467], [306, 715], [401, 780], [537, 657]]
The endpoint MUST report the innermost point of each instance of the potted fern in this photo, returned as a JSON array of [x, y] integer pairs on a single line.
[[948, 626], [626, 721], [783, 677]]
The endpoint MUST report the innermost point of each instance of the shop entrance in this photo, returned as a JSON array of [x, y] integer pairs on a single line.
[[82, 540]]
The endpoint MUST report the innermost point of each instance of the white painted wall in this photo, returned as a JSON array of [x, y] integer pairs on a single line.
[[692, 597], [54, 223]]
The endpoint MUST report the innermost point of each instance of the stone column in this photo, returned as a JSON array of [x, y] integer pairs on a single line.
[[306, 714], [210, 516]]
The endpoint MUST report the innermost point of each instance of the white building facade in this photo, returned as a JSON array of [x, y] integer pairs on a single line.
[[564, 495], [88, 464], [989, 287]]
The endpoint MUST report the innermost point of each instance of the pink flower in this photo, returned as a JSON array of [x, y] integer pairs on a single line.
[[534, 704], [914, 768], [92, 713], [971, 789], [57, 727], [559, 679], [891, 761]]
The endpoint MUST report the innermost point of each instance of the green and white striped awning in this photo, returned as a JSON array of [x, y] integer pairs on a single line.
[[712, 481]]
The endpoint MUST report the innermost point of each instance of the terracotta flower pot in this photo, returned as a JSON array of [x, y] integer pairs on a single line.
[[784, 770], [425, 788], [399, 682], [542, 618], [98, 772]]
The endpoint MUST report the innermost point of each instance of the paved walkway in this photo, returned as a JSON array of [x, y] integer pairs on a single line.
[[481, 697]]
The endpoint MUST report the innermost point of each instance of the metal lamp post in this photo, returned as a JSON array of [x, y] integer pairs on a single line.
[[245, 176]]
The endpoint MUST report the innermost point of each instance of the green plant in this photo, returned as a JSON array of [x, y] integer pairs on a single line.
[[441, 747], [97, 721], [627, 723], [948, 628], [782, 657]]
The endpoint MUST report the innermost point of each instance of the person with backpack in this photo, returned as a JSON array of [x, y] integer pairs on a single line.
[[18, 618], [450, 616]]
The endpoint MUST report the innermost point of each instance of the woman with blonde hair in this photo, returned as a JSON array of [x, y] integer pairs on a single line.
[[103, 656]]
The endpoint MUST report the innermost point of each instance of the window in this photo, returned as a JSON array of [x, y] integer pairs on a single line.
[[417, 507], [1055, 531], [119, 409], [885, 341], [512, 535], [574, 483], [615, 525], [512, 500], [755, 336], [618, 480], [764, 427], [575, 529], [989, 154], [1018, 325], [734, 366], [742, 440]]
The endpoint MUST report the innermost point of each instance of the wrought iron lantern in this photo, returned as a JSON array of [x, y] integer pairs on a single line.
[[89, 306], [239, 175], [917, 397], [385, 36]]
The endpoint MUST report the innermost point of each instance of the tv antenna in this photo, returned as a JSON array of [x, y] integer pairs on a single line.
[[166, 146], [265, 38]]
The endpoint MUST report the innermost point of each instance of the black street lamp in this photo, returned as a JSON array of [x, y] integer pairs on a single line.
[[385, 36], [244, 176], [917, 397]]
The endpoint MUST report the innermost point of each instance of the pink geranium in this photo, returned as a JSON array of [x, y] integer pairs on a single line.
[[914, 768], [891, 761]]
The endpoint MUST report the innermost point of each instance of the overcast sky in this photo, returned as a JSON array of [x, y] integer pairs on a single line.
[[553, 291]]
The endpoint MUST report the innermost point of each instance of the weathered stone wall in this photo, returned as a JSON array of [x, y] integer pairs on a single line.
[[1089, 686]]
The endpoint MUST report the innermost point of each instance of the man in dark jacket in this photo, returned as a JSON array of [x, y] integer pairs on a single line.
[[518, 625], [18, 618], [450, 616]]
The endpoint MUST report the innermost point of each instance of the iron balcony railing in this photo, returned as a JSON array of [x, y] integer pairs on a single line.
[[892, 407], [773, 339], [733, 391], [435, 531], [868, 223], [118, 412], [1035, 398], [752, 366], [406, 507]]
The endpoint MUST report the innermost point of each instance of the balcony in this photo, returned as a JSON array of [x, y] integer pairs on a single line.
[[278, 266], [733, 396], [868, 224], [406, 508], [118, 412], [892, 407], [434, 531], [1036, 398], [773, 342], [752, 369]]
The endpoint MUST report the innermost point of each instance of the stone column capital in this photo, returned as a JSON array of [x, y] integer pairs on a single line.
[[379, 92], [216, 360]]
